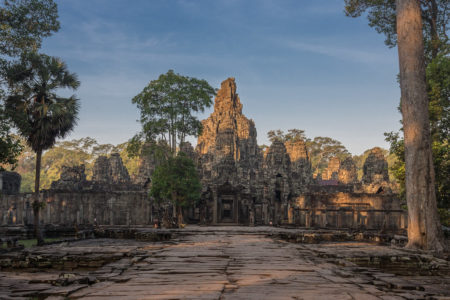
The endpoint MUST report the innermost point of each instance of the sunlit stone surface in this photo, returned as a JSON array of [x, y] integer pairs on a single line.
[[223, 263]]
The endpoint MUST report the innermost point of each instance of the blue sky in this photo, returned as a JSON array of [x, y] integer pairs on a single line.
[[297, 63]]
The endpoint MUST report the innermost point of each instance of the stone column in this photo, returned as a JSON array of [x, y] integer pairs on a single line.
[[111, 212], [237, 201], [290, 215], [215, 199], [308, 218], [355, 218]]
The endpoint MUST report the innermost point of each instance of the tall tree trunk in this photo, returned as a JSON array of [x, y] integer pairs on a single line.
[[424, 229], [180, 219], [435, 42], [36, 203], [174, 144]]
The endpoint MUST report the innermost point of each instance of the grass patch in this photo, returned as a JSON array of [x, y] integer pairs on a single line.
[[33, 242]]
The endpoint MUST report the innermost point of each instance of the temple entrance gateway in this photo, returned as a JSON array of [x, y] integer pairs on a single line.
[[227, 209]]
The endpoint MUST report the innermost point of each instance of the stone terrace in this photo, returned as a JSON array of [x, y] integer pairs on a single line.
[[223, 263]]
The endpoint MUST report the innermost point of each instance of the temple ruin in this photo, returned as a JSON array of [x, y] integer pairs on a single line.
[[241, 184]]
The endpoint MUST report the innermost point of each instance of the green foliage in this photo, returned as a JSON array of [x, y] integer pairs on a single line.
[[32, 243], [438, 85], [39, 115], [435, 19], [176, 180], [65, 153], [275, 135], [131, 163], [37, 112], [292, 135], [322, 149], [441, 160], [27, 184], [381, 15], [438, 82], [23, 24], [69, 153], [397, 148], [263, 148], [444, 216], [167, 106], [10, 146]]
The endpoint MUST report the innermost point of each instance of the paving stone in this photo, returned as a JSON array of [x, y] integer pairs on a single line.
[[220, 263]]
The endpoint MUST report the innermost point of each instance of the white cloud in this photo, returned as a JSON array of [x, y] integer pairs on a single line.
[[350, 54]]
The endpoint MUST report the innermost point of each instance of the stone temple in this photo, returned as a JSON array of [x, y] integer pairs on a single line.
[[244, 185], [241, 184]]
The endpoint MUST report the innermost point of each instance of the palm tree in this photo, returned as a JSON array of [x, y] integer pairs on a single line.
[[38, 113]]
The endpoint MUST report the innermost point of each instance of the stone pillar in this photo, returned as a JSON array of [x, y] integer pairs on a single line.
[[308, 219], [290, 215], [386, 223], [237, 200], [90, 213], [82, 219], [47, 213], [264, 214], [355, 218], [339, 219], [149, 212], [215, 199], [111, 212]]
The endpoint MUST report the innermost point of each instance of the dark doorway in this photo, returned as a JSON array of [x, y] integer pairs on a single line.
[[227, 210]]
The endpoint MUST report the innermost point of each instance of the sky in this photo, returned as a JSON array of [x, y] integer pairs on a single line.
[[297, 63]]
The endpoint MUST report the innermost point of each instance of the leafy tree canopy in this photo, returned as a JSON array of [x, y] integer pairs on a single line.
[[322, 149], [292, 135], [23, 24], [167, 107], [38, 113], [10, 146], [382, 16], [176, 180], [69, 153]]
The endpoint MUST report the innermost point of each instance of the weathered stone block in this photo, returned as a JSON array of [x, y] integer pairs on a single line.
[[9, 183]]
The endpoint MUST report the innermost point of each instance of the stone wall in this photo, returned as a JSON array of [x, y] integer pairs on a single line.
[[332, 171], [109, 174], [109, 199], [347, 173], [349, 210], [301, 171], [375, 167], [10, 182], [88, 207], [110, 170]]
